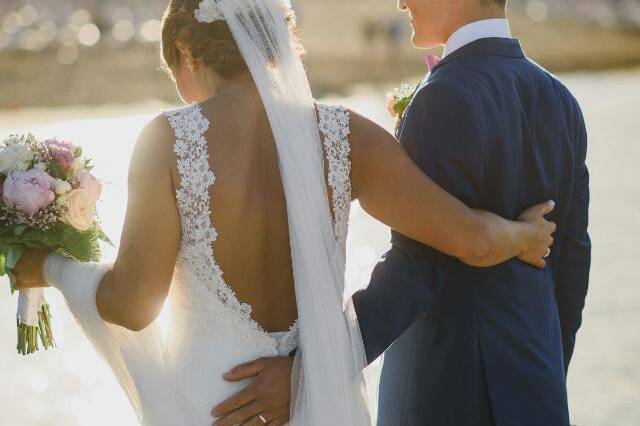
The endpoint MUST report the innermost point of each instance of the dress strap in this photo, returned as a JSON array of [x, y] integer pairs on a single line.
[[334, 124]]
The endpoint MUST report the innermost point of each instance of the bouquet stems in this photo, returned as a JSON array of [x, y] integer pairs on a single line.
[[30, 336], [34, 315]]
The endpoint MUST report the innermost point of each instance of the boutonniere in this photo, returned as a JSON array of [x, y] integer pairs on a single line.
[[399, 99]]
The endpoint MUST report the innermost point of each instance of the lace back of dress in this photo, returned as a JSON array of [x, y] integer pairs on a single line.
[[196, 257]]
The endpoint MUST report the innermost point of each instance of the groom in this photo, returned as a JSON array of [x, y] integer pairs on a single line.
[[477, 346]]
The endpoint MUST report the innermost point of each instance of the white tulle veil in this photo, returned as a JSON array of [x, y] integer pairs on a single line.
[[330, 389]]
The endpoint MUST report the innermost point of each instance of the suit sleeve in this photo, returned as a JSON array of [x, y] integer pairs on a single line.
[[575, 254], [441, 134]]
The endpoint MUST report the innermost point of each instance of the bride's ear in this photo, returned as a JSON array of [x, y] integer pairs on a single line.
[[186, 56]]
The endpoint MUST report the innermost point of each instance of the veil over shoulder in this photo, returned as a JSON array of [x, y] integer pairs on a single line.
[[331, 388]]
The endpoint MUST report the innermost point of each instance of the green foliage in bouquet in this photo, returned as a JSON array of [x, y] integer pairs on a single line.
[[61, 238]]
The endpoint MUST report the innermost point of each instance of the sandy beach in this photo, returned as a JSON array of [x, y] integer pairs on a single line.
[[70, 386]]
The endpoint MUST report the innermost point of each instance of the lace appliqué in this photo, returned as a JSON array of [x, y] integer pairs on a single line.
[[193, 200], [334, 125]]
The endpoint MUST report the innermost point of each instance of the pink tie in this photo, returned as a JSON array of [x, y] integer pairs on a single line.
[[432, 61]]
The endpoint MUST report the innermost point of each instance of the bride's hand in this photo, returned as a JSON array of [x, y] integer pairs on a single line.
[[29, 272], [540, 240]]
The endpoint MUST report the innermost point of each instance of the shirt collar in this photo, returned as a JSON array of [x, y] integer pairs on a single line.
[[469, 33]]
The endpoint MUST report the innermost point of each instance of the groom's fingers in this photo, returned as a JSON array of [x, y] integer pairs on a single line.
[[241, 399], [548, 207], [244, 371], [246, 413]]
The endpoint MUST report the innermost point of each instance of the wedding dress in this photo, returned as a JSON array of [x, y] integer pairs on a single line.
[[177, 379]]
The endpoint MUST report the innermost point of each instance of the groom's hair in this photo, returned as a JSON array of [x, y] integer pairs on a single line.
[[209, 43]]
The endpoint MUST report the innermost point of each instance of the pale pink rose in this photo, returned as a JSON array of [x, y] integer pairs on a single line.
[[391, 105], [29, 191], [61, 151], [89, 183], [80, 210]]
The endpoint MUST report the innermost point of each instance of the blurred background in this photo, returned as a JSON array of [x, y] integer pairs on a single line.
[[89, 71], [69, 52]]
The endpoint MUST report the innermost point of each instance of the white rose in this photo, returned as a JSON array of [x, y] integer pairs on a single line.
[[77, 164], [14, 157], [80, 210], [62, 187], [40, 166], [63, 200]]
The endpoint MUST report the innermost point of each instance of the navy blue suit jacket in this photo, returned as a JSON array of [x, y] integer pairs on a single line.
[[501, 134]]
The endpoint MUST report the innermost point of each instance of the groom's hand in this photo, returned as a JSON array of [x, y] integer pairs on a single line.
[[269, 394]]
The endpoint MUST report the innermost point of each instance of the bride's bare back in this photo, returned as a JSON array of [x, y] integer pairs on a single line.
[[248, 210]]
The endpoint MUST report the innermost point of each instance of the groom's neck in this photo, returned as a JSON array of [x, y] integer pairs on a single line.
[[473, 13]]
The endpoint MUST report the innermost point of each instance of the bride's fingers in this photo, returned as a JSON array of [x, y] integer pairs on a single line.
[[246, 413], [241, 399]]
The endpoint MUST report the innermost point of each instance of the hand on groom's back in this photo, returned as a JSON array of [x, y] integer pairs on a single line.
[[268, 394]]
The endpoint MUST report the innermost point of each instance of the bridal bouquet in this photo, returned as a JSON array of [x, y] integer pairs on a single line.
[[47, 200]]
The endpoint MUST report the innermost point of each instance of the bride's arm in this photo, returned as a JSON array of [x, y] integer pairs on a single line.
[[132, 293], [393, 189]]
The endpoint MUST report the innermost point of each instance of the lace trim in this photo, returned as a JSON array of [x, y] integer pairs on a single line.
[[290, 340], [335, 127], [193, 200]]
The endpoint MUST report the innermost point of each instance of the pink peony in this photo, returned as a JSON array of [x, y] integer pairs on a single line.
[[29, 191], [89, 183], [80, 210], [61, 151]]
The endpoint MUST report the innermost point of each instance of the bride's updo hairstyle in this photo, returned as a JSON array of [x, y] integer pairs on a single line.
[[212, 44]]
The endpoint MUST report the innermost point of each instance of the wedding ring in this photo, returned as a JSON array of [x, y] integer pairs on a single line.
[[262, 419], [548, 253]]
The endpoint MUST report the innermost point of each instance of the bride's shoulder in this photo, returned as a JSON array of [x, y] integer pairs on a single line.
[[155, 142]]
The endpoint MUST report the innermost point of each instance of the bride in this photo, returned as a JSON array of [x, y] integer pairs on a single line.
[[253, 179]]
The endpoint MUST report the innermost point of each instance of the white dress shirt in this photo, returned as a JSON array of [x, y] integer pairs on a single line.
[[469, 33]]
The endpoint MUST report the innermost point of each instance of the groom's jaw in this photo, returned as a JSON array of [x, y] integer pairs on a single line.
[[433, 21], [428, 20]]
